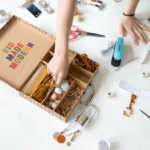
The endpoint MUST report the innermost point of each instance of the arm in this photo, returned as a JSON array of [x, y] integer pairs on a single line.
[[58, 66], [131, 24]]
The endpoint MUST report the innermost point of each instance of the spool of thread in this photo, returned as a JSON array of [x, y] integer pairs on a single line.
[[144, 74], [42, 4], [109, 95], [48, 10]]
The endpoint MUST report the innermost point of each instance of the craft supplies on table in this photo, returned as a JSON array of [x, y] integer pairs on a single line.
[[111, 46], [146, 52], [81, 3], [144, 74], [109, 95], [44, 5], [135, 90], [126, 63], [118, 53], [28, 58], [145, 114], [133, 97], [30, 7], [4, 15], [82, 120], [103, 145], [75, 33]]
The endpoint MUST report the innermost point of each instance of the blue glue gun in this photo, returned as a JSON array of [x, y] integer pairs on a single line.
[[118, 53]]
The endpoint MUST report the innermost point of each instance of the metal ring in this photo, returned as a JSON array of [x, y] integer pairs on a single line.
[[86, 108]]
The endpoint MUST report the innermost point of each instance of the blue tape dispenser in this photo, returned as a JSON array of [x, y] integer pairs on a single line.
[[118, 53]]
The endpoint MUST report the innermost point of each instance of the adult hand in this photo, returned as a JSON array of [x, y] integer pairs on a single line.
[[134, 28], [58, 67]]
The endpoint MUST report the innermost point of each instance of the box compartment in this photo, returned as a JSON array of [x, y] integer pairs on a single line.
[[68, 105], [80, 73], [78, 57]]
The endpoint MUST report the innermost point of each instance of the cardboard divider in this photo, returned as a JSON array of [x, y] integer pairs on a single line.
[[77, 82], [71, 57], [48, 56], [51, 53], [48, 95], [64, 96], [34, 80], [80, 73]]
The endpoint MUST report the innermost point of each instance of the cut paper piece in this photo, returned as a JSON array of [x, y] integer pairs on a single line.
[[146, 51], [61, 139], [134, 90], [55, 135], [30, 7], [4, 17], [103, 145], [68, 144]]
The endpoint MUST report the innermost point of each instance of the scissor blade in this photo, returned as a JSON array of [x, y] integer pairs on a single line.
[[94, 34], [145, 114]]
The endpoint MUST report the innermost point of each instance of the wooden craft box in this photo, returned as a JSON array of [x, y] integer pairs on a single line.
[[23, 48]]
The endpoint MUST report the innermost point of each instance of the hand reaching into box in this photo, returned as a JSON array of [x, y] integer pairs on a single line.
[[58, 67]]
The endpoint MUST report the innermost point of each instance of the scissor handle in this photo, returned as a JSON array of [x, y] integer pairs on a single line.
[[72, 36], [74, 28]]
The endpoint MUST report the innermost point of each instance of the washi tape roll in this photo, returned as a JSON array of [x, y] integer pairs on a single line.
[[48, 10], [42, 4]]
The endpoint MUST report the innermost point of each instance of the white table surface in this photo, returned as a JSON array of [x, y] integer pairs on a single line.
[[23, 126]]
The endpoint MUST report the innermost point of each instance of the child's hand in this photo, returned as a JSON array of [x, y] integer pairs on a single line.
[[58, 67], [134, 28]]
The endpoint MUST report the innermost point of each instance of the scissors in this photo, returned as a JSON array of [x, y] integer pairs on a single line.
[[76, 32], [145, 114]]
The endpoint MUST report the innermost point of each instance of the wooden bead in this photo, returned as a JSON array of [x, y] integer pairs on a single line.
[[76, 11], [54, 96], [54, 104], [77, 18]]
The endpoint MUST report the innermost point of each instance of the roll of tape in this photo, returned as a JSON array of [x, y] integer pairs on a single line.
[[42, 4], [48, 10]]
